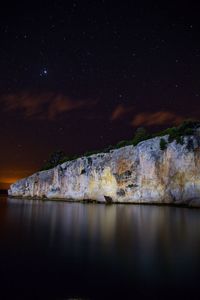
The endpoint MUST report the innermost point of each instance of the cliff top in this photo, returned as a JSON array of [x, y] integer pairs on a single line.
[[188, 127]]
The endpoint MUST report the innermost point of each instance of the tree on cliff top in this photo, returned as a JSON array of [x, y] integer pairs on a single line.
[[56, 158], [140, 135], [188, 127]]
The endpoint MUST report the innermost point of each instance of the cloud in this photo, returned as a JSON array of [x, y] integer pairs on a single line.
[[156, 118], [41, 105], [61, 104], [120, 111]]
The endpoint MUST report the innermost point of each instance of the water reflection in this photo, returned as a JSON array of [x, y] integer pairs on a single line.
[[87, 246]]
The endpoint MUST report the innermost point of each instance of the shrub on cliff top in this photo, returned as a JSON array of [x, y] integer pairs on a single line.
[[123, 144], [140, 135], [187, 128], [56, 158], [163, 144]]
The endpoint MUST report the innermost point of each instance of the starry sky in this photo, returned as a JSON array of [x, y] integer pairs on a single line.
[[81, 75]]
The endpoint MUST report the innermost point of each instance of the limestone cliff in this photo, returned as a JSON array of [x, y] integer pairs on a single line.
[[140, 174]]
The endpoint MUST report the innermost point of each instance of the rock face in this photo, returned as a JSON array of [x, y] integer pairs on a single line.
[[140, 174]]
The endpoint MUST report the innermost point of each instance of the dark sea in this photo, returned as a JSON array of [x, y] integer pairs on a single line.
[[62, 250]]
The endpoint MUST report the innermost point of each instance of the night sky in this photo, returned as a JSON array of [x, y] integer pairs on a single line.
[[81, 75]]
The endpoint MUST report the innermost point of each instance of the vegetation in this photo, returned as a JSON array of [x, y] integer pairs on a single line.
[[177, 134], [163, 144], [56, 158], [140, 135]]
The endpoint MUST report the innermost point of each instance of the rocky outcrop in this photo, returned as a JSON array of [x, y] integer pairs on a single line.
[[140, 174]]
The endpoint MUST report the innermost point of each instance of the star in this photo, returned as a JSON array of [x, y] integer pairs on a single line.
[[44, 72]]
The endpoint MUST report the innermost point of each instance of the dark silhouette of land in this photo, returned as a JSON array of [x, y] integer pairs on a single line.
[[3, 192]]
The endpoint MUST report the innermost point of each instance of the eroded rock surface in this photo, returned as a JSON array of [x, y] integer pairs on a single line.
[[140, 174]]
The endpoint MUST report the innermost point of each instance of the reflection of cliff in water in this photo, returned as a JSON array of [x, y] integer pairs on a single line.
[[124, 229], [97, 247]]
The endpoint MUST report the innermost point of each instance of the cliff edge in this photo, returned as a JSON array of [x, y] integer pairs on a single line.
[[131, 174]]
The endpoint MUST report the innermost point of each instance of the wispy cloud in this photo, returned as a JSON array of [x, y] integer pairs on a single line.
[[41, 105], [156, 118], [120, 111]]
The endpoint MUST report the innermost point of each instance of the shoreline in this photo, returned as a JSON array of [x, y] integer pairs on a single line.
[[90, 201]]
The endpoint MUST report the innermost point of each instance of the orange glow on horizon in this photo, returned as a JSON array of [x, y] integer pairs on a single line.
[[6, 182], [10, 176], [9, 180]]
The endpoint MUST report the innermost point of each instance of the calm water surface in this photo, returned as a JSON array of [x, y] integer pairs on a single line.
[[59, 250]]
